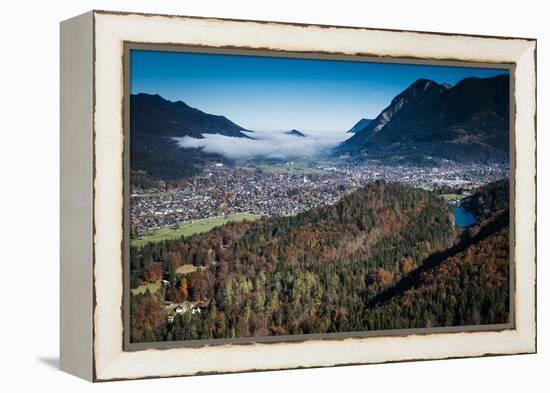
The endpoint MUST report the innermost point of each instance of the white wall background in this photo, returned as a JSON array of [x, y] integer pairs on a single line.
[[29, 206]]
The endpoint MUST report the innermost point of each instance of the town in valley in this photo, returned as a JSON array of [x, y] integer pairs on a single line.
[[289, 187]]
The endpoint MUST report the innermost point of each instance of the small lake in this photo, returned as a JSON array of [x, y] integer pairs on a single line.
[[463, 218]]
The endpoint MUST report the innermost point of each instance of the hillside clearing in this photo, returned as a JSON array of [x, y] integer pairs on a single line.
[[188, 268], [452, 197], [142, 289]]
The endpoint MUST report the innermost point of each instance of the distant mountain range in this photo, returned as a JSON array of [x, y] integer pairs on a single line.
[[424, 124], [467, 122], [295, 133], [359, 125], [155, 122]]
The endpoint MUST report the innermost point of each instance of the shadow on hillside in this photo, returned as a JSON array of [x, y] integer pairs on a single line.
[[437, 258]]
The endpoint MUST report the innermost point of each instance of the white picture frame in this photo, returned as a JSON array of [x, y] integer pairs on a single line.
[[92, 194]]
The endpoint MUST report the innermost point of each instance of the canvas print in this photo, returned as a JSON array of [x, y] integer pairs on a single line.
[[286, 196]]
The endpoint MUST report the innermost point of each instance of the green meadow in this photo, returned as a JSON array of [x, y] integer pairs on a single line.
[[190, 228]]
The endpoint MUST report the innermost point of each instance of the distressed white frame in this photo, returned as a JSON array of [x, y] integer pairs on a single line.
[[110, 31]]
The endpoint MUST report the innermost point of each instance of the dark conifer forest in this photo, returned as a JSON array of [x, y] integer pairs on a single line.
[[386, 256]]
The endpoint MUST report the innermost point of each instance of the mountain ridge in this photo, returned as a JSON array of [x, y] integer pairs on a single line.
[[151, 114], [465, 122], [359, 125]]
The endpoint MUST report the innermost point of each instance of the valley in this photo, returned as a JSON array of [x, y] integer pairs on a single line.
[[400, 222], [286, 188]]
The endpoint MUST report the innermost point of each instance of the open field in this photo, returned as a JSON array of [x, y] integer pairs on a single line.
[[190, 228], [152, 286], [452, 197], [299, 167]]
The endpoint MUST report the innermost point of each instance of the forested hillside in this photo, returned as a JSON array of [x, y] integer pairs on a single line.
[[470, 287], [467, 284], [386, 256], [489, 200]]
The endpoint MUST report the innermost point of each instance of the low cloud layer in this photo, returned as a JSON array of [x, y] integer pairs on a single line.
[[273, 145]]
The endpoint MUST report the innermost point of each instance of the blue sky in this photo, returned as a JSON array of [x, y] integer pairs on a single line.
[[274, 93]]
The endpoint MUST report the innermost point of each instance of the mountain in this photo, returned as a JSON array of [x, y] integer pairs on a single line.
[[468, 122], [155, 154], [154, 115], [295, 133], [359, 125]]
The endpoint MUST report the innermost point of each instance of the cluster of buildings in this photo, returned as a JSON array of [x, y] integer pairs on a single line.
[[446, 174], [222, 190]]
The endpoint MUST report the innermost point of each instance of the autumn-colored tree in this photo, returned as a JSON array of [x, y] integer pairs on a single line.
[[152, 272], [406, 265], [183, 289], [380, 277], [175, 260], [146, 318]]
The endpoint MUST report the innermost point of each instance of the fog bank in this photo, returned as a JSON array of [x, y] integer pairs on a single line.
[[272, 145]]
